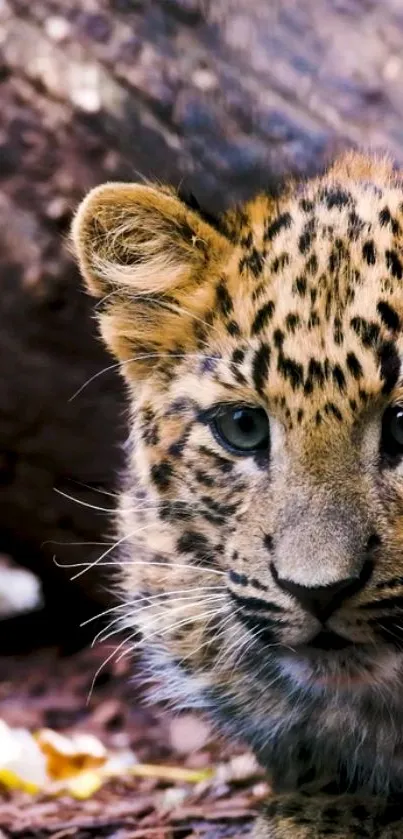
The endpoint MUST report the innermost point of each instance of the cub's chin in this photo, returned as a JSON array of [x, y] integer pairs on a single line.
[[345, 667]]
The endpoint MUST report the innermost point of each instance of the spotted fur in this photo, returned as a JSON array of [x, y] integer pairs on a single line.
[[269, 588]]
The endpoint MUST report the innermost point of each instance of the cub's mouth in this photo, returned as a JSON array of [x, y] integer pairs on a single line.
[[332, 662], [329, 640]]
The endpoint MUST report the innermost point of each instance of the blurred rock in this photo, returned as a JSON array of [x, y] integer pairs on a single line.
[[20, 590]]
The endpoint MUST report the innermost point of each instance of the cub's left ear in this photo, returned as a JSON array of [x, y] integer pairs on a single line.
[[139, 247]]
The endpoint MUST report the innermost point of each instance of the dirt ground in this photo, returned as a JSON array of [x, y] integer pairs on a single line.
[[47, 690]]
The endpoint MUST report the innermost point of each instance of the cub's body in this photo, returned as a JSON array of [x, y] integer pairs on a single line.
[[261, 522]]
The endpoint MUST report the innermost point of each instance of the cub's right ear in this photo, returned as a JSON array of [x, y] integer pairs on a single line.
[[155, 263], [140, 239]]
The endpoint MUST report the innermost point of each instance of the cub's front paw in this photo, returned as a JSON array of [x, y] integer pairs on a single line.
[[327, 817]]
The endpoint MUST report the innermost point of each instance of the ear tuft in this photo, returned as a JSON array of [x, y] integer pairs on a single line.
[[154, 262], [130, 236]]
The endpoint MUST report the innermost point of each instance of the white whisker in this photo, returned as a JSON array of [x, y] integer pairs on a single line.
[[141, 357], [101, 667], [115, 545], [122, 620], [147, 506], [121, 564], [100, 491], [164, 594]]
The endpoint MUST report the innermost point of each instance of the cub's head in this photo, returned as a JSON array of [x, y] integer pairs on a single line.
[[261, 523]]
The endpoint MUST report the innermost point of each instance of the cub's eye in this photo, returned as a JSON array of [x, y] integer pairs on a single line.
[[242, 430], [392, 430]]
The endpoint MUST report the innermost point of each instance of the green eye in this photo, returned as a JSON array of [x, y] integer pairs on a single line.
[[242, 430]]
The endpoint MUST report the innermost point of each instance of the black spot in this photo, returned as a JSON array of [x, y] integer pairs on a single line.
[[224, 510], [353, 405], [280, 262], [176, 448], [203, 478], [255, 262], [259, 291], [315, 376], [149, 427], [307, 236], [262, 317], [389, 316], [336, 198], [338, 331], [367, 330], [328, 305], [300, 415], [363, 395], [175, 511], [331, 408], [238, 376], [278, 338], [247, 240], [301, 286], [225, 466], [305, 241], [386, 219], [200, 333], [394, 264], [268, 541], [336, 256], [282, 222], [238, 356], [291, 370], [313, 319], [161, 474], [180, 406], [224, 299], [292, 321], [233, 329], [314, 294], [306, 205], [355, 226], [354, 365], [311, 265], [238, 579], [195, 543], [390, 365], [260, 367], [369, 252], [339, 377], [318, 418]]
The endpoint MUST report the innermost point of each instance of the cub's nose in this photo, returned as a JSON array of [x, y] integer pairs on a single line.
[[322, 601]]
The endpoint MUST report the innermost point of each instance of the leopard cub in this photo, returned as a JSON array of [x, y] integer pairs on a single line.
[[261, 518]]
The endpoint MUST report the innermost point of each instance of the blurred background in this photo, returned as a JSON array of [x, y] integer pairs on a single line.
[[221, 97], [224, 97]]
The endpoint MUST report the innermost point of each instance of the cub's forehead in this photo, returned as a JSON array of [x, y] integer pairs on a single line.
[[314, 291], [327, 235]]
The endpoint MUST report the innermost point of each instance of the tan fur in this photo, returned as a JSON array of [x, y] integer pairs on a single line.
[[294, 306]]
